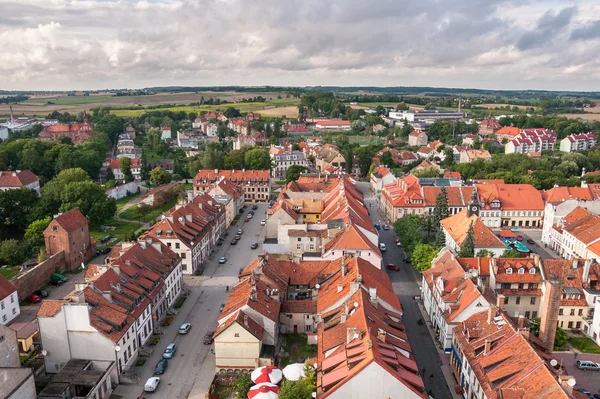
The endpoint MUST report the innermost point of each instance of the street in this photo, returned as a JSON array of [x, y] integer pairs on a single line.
[[192, 368], [406, 287]]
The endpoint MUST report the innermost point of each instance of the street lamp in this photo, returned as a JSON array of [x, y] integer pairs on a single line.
[[117, 350]]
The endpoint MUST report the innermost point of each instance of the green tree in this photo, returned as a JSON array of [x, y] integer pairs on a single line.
[[408, 229], [213, 157], [300, 389], [51, 192], [422, 256], [91, 200], [386, 159], [34, 233], [428, 171], [257, 159], [154, 135], [110, 176], [159, 176], [440, 211], [440, 238], [125, 167], [467, 249], [11, 253], [483, 253], [16, 207], [534, 326], [560, 339], [511, 253], [242, 385], [402, 106], [293, 172], [143, 209]]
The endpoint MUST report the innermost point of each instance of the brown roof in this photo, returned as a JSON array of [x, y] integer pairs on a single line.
[[299, 306], [243, 320], [458, 227], [50, 307], [71, 220], [19, 178], [6, 287]]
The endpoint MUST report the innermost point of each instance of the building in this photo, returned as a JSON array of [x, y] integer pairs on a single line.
[[417, 138], [380, 177], [492, 358], [160, 195], [255, 183], [449, 296], [79, 377], [333, 125], [456, 230], [329, 157], [425, 115], [13, 180], [167, 165], [489, 126], [9, 301], [472, 155], [229, 195], [282, 162], [3, 132], [352, 241], [510, 205], [68, 232], [296, 128], [77, 132], [17, 381], [573, 304], [531, 140], [576, 235], [135, 166], [578, 142], [165, 133], [191, 230], [507, 133]]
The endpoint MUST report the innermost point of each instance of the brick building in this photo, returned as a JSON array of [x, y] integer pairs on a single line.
[[69, 232]]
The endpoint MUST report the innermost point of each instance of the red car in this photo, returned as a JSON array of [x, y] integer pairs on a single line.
[[33, 298], [519, 237], [247, 220], [208, 338], [393, 267]]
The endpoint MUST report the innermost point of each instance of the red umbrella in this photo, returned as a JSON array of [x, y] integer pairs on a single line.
[[267, 374], [264, 390]]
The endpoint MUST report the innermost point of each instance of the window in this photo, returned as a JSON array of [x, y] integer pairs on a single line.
[[299, 246], [2, 305], [521, 286], [527, 314], [560, 312], [570, 325], [578, 325], [518, 301], [532, 270], [534, 314], [506, 300], [299, 239], [580, 312], [3, 317], [237, 335], [183, 255], [532, 300], [1, 338], [509, 271], [12, 298], [521, 270], [572, 312], [14, 310], [176, 245]]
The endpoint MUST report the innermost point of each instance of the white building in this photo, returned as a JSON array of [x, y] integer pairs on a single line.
[[531, 140], [578, 142], [456, 228], [9, 301], [282, 162], [13, 180], [16, 381]]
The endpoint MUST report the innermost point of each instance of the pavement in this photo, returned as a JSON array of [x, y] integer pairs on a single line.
[[192, 369], [588, 379], [406, 285]]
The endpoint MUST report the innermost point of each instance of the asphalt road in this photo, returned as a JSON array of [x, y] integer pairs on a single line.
[[406, 287], [192, 369]]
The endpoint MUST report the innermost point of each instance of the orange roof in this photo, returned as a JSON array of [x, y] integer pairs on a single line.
[[557, 195], [458, 225], [506, 233], [586, 228], [6, 287], [50, 307], [353, 239], [451, 175], [511, 196], [243, 320], [508, 131], [595, 248], [70, 220], [507, 270], [236, 176], [333, 123], [19, 178], [466, 294]]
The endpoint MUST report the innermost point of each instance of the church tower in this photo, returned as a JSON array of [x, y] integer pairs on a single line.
[[473, 204]]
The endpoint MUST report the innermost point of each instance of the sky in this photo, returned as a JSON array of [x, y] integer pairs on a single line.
[[487, 44]]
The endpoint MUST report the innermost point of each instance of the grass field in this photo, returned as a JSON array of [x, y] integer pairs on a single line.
[[121, 231], [501, 106], [587, 117], [276, 107], [67, 100], [584, 345], [132, 214], [9, 272], [122, 201]]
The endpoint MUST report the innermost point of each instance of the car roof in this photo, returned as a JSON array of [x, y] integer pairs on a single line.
[[185, 325], [153, 379], [170, 345]]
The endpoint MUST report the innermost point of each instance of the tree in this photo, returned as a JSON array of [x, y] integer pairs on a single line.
[[440, 238], [534, 325], [110, 176], [428, 171], [386, 159], [560, 339], [408, 229], [65, 140], [440, 211], [125, 167], [511, 253], [293, 172], [143, 209], [91, 200], [11, 253], [159, 176], [483, 253], [242, 385], [257, 159], [154, 135], [300, 389], [213, 157], [422, 256], [402, 106], [51, 192], [467, 249], [34, 233], [16, 207]]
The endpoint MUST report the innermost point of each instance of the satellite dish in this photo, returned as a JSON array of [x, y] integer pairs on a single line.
[[317, 286], [571, 382], [44, 352], [474, 273], [553, 362], [355, 304]]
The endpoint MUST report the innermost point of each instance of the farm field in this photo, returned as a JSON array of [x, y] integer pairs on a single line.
[[587, 117], [66, 100], [502, 105]]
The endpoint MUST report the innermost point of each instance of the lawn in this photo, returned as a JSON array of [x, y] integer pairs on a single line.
[[9, 272], [297, 350], [122, 201], [132, 214], [151, 155], [188, 186], [584, 344], [121, 231]]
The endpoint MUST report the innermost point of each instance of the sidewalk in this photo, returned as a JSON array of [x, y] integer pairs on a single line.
[[445, 358]]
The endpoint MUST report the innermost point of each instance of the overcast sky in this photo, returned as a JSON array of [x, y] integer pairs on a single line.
[[494, 44]]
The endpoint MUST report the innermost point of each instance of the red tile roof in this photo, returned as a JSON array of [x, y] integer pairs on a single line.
[[458, 226], [557, 195], [6, 287], [71, 220], [50, 307], [243, 320], [333, 123], [511, 196], [16, 179]]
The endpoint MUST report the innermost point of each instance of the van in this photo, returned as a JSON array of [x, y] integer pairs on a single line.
[[587, 365], [58, 278]]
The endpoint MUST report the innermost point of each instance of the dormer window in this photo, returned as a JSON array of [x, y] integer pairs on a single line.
[[509, 271], [532, 270], [521, 270]]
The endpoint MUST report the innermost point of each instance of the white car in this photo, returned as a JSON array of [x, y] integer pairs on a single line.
[[222, 260], [249, 216], [151, 384], [263, 222], [382, 247], [185, 327]]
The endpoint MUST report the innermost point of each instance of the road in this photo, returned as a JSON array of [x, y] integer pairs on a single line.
[[192, 369], [406, 287]]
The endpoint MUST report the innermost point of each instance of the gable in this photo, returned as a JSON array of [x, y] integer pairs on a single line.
[[235, 333]]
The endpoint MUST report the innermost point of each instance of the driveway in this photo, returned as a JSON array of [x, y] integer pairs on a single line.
[[405, 286], [587, 379], [192, 370]]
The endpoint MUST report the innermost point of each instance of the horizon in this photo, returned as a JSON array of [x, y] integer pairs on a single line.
[[500, 45]]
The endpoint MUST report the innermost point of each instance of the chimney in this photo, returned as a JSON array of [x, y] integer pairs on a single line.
[[488, 345], [344, 270], [246, 320], [575, 263], [500, 301], [381, 334], [340, 287], [586, 271], [216, 171], [373, 292], [521, 322], [564, 382], [549, 312], [351, 334], [491, 314]]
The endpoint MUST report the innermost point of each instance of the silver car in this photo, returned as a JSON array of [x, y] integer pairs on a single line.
[[587, 365], [170, 351], [184, 328]]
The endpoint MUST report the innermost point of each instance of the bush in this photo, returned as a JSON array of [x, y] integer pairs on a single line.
[[140, 362], [180, 302], [242, 385], [168, 321], [154, 341]]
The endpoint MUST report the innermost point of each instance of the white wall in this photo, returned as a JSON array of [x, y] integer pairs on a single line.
[[122, 190], [9, 308]]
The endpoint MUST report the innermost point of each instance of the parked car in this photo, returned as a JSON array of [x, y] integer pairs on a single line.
[[170, 351], [377, 226], [185, 327], [255, 207], [41, 293], [222, 260], [386, 227], [33, 298], [596, 396], [234, 242], [249, 216], [530, 241], [161, 366], [263, 222], [393, 267], [252, 213], [398, 244], [56, 277], [519, 237], [152, 384], [584, 391], [406, 260], [587, 365], [208, 339], [219, 243], [382, 247], [247, 220], [240, 232], [222, 307], [254, 245]]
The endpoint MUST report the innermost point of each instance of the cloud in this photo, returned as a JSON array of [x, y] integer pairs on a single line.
[[127, 43]]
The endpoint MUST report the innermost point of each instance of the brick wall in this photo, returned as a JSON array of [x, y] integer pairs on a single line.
[[33, 278]]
